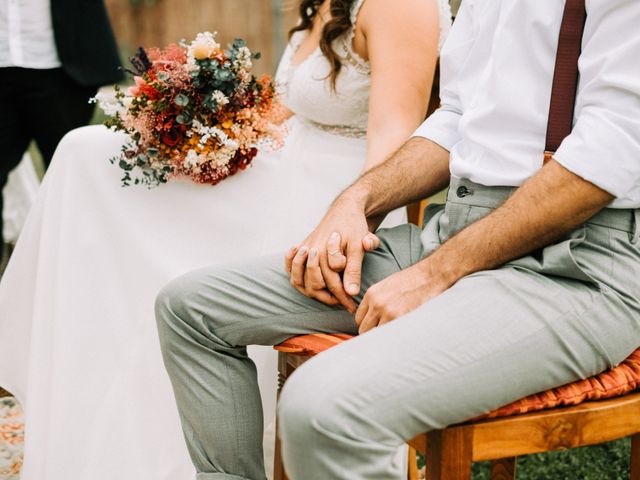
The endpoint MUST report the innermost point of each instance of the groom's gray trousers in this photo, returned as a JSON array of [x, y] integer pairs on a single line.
[[565, 312]]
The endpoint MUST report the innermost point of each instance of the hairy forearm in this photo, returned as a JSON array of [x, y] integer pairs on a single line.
[[418, 170], [551, 204], [383, 142]]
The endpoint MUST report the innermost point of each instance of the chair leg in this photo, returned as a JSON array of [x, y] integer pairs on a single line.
[[635, 457], [278, 466], [504, 469], [412, 463], [449, 454]]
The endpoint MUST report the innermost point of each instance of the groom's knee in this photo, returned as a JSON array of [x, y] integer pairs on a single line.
[[196, 307], [173, 307]]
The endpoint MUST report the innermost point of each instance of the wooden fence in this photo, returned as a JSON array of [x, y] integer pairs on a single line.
[[262, 23]]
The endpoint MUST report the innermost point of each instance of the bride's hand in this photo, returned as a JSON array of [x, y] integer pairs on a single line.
[[337, 245]]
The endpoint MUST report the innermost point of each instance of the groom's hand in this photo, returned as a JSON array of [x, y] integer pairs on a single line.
[[337, 245], [398, 295]]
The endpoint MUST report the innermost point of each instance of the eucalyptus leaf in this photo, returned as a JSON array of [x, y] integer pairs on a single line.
[[181, 100]]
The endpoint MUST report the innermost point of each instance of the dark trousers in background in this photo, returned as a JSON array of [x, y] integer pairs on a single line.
[[40, 105]]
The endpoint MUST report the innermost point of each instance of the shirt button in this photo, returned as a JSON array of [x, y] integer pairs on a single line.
[[463, 192]]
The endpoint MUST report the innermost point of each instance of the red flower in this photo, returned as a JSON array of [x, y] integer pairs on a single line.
[[149, 91], [171, 138]]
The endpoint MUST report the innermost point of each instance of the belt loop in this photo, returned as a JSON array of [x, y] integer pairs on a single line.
[[636, 226]]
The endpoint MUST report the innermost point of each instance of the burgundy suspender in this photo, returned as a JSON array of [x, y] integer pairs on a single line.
[[565, 78]]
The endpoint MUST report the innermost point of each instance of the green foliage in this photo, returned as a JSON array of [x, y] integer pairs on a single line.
[[609, 461]]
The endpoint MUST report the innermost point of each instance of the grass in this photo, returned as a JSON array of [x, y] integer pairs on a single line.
[[609, 461]]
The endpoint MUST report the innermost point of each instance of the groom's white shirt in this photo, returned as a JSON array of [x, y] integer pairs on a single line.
[[497, 72], [26, 35]]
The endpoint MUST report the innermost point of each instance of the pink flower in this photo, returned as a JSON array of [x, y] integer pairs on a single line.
[[137, 90]]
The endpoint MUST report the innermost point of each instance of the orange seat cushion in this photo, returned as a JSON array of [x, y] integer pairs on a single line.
[[612, 383]]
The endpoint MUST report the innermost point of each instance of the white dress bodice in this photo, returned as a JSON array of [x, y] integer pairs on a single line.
[[306, 87]]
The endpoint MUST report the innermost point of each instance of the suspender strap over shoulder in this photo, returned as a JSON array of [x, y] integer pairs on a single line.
[[565, 78]]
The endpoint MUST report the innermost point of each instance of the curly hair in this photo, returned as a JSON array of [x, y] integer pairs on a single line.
[[338, 25]]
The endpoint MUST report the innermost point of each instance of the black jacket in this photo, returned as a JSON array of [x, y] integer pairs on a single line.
[[85, 42]]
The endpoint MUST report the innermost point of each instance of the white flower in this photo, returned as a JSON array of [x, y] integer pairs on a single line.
[[219, 97], [192, 159], [203, 46], [207, 133], [243, 60], [231, 144], [109, 105], [223, 156]]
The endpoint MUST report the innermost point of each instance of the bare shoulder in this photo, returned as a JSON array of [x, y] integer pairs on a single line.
[[399, 15]]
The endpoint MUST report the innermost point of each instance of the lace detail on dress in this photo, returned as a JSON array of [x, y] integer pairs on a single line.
[[340, 130], [345, 45]]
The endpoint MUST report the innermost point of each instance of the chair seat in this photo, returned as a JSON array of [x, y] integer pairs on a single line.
[[612, 383]]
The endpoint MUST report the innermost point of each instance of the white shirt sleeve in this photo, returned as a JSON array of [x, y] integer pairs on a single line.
[[442, 126], [604, 147]]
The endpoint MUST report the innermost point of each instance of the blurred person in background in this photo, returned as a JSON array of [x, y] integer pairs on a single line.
[[54, 54]]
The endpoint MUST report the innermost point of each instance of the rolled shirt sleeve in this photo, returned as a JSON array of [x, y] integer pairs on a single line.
[[604, 146], [442, 127]]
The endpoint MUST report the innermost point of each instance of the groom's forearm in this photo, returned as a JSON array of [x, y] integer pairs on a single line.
[[551, 204], [418, 170]]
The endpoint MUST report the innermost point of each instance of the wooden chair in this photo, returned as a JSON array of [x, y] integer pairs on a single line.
[[450, 452]]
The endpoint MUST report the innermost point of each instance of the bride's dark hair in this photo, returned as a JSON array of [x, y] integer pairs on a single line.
[[338, 25]]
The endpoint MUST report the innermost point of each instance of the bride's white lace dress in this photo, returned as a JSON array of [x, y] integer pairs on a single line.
[[78, 342]]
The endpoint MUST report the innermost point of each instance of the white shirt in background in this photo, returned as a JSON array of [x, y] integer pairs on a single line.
[[497, 73], [26, 35]]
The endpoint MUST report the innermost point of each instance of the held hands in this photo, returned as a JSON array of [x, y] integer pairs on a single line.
[[327, 267], [337, 246], [327, 264]]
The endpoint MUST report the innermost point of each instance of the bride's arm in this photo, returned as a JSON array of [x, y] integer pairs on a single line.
[[400, 39]]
